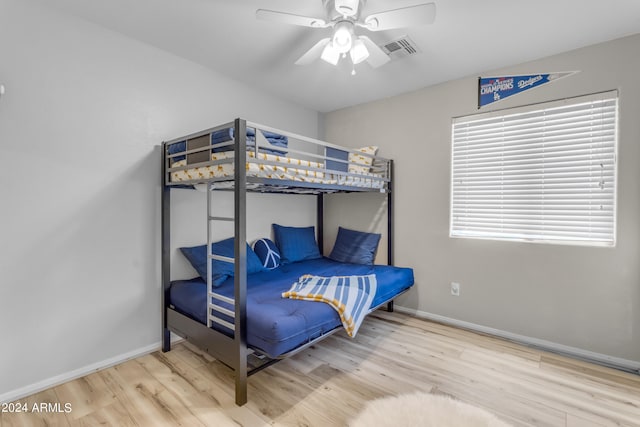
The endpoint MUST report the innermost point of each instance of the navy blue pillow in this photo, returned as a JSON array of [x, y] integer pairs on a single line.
[[221, 270], [273, 139], [268, 253], [355, 247], [296, 243], [177, 147], [340, 155]]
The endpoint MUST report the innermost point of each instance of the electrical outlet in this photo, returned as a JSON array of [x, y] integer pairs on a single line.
[[455, 289]]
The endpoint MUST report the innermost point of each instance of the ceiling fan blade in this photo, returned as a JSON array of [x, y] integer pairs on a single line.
[[377, 57], [313, 53], [400, 18], [347, 7], [289, 18]]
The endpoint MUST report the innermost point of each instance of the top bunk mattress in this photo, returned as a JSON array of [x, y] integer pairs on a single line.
[[277, 325], [275, 166]]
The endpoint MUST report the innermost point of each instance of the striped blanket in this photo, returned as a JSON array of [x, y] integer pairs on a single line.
[[350, 296]]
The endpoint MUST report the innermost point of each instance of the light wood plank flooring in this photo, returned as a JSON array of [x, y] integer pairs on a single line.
[[327, 385]]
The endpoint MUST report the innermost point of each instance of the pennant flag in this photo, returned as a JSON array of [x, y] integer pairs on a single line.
[[494, 89]]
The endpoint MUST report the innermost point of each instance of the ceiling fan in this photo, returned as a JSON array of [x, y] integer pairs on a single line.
[[344, 16]]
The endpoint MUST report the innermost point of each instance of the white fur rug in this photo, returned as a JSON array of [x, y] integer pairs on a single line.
[[424, 410]]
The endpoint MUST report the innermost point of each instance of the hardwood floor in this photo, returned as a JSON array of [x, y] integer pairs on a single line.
[[329, 383]]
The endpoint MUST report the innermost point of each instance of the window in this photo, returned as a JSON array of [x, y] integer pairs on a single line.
[[541, 173]]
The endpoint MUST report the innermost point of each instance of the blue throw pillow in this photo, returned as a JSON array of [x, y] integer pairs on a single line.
[[221, 270], [296, 243], [268, 253], [334, 153], [273, 139], [355, 247], [177, 147]]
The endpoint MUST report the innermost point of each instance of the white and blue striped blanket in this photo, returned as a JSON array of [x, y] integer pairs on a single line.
[[350, 296]]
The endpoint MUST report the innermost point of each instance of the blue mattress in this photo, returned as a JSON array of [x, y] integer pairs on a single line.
[[277, 325]]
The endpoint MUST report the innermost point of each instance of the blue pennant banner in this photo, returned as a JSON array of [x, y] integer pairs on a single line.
[[494, 89]]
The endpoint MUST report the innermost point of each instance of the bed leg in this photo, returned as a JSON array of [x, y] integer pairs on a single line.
[[241, 390], [166, 340], [390, 306]]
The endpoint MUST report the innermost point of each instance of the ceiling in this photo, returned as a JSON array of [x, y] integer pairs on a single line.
[[468, 38]]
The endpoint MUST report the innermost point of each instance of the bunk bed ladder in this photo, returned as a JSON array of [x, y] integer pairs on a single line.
[[237, 358], [214, 310]]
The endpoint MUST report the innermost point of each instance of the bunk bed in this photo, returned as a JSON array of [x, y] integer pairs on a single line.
[[233, 319]]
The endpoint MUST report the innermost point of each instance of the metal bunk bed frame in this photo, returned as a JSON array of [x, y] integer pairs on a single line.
[[233, 350]]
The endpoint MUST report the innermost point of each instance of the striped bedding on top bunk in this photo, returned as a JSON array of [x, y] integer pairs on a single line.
[[350, 296], [273, 166]]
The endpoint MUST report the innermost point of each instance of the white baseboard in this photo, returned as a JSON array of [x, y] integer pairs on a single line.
[[80, 372], [603, 359], [578, 353]]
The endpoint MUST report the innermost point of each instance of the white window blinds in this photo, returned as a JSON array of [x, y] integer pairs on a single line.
[[544, 173]]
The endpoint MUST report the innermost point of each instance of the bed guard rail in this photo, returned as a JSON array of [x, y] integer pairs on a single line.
[[277, 160]]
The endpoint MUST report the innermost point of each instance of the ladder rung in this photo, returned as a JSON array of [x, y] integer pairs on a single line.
[[222, 298], [222, 258], [221, 218], [222, 310], [223, 323]]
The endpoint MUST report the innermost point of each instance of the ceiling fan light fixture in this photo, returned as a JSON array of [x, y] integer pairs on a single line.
[[344, 16], [343, 36], [330, 54], [359, 52]]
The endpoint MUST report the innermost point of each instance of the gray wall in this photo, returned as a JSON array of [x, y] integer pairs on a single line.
[[583, 297], [84, 112]]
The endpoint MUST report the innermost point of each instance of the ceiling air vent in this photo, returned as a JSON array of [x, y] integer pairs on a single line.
[[400, 48]]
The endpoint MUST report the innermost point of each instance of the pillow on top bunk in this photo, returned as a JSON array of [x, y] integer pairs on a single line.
[[355, 247], [221, 270], [271, 138], [296, 243], [268, 253], [334, 156], [177, 147], [359, 163]]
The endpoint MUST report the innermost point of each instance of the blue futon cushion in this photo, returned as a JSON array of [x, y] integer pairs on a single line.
[[197, 256], [268, 253], [296, 243], [277, 325], [355, 247]]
